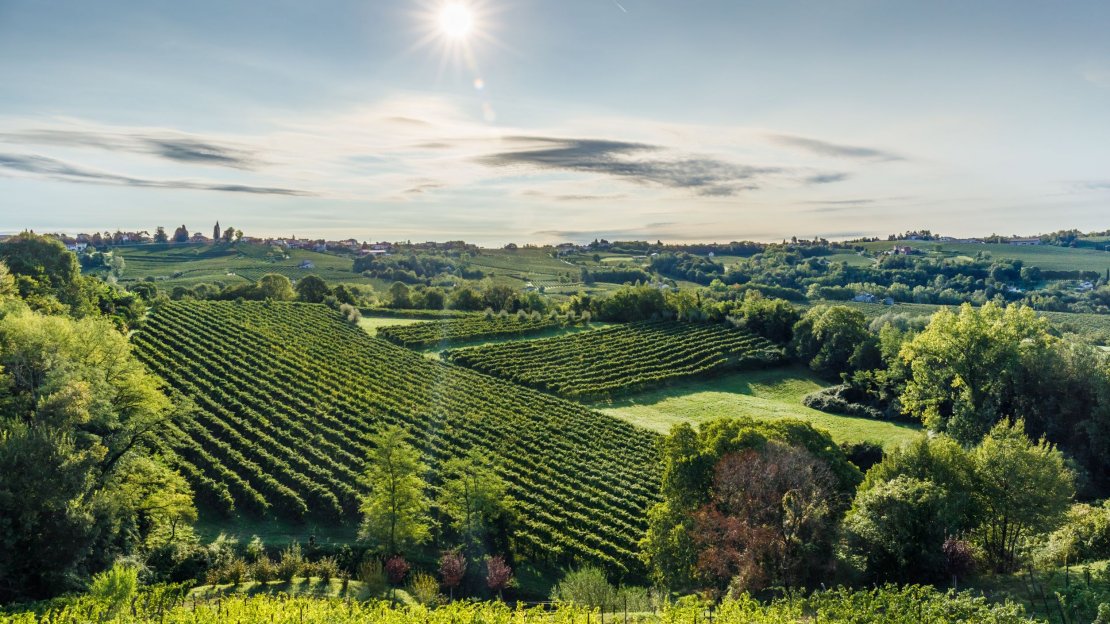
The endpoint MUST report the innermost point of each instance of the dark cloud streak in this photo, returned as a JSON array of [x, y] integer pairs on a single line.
[[169, 147], [824, 148], [57, 170]]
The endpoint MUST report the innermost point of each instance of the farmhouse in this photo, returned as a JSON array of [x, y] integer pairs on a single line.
[[1025, 241]]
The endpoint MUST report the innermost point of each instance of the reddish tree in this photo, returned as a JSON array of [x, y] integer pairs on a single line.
[[769, 521], [452, 568], [498, 574], [396, 569], [959, 558]]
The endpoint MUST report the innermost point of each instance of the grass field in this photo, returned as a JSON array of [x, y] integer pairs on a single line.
[[1048, 257], [766, 394], [371, 323]]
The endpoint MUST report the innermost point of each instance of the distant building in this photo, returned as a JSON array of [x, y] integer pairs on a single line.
[[864, 298], [1024, 241], [306, 264]]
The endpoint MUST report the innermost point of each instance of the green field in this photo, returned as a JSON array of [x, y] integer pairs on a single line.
[[1049, 257], [765, 394], [187, 264]]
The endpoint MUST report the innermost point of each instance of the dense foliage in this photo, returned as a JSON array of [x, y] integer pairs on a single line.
[[893, 605], [621, 358], [289, 397]]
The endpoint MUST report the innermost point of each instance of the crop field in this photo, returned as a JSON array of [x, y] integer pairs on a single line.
[[763, 394], [287, 395], [464, 329], [191, 263], [1048, 257], [620, 358]]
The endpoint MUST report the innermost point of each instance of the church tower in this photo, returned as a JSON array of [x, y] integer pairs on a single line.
[[216, 233]]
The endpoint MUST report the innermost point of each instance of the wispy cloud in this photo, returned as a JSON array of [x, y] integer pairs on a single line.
[[835, 150], [53, 169], [826, 178], [177, 148], [639, 162], [1092, 185]]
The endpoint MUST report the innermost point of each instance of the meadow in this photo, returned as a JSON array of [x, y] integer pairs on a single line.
[[1047, 257], [767, 394]]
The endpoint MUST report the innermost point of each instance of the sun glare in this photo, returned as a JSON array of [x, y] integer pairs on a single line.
[[456, 21]]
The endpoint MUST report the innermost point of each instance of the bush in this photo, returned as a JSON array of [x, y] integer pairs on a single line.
[[116, 586], [372, 574], [396, 569], [327, 568], [1084, 536], [585, 586], [832, 400], [424, 588], [263, 570], [291, 564]]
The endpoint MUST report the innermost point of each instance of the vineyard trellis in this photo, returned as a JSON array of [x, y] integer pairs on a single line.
[[288, 395], [621, 358], [469, 328]]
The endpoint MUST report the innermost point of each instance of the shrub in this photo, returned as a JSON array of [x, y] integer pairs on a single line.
[[372, 574], [831, 400], [498, 574], [291, 563], [585, 586], [424, 588], [115, 586], [263, 570], [327, 568], [452, 569], [396, 569]]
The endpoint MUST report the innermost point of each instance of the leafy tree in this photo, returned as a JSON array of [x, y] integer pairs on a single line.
[[689, 458], [160, 235], [395, 508], [831, 339], [1024, 489], [74, 484], [473, 496], [181, 235], [275, 286], [399, 296], [898, 529], [466, 299], [452, 569], [586, 586], [312, 288], [770, 519], [499, 575], [774, 319], [47, 275], [7, 282], [963, 367]]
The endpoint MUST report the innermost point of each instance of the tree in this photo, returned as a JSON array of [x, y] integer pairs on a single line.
[[1024, 489], [399, 296], [499, 575], [898, 530], [160, 235], [452, 569], [963, 366], [831, 338], [395, 508], [75, 411], [689, 458], [181, 235], [769, 520], [464, 298], [473, 496], [47, 275], [275, 286], [312, 288], [7, 282], [774, 319], [229, 235]]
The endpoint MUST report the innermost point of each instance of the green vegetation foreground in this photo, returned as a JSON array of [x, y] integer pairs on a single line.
[[907, 605]]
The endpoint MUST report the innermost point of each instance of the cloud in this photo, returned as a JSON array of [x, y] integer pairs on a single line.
[[639, 162], [168, 146], [826, 178], [57, 170], [1093, 185], [824, 148]]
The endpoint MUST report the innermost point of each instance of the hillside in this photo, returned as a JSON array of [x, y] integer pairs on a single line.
[[287, 394], [621, 358]]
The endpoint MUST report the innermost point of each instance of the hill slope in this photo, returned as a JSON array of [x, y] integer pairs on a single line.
[[288, 393]]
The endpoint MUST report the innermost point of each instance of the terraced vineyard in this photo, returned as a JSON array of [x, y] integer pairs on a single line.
[[621, 358], [469, 328], [287, 395]]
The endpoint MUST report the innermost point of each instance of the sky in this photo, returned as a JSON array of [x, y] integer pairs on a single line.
[[555, 120]]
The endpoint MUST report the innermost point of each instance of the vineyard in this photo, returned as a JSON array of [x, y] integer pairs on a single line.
[[469, 328], [621, 358], [287, 395], [894, 605]]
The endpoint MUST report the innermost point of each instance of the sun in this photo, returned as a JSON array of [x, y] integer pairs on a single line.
[[456, 21]]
